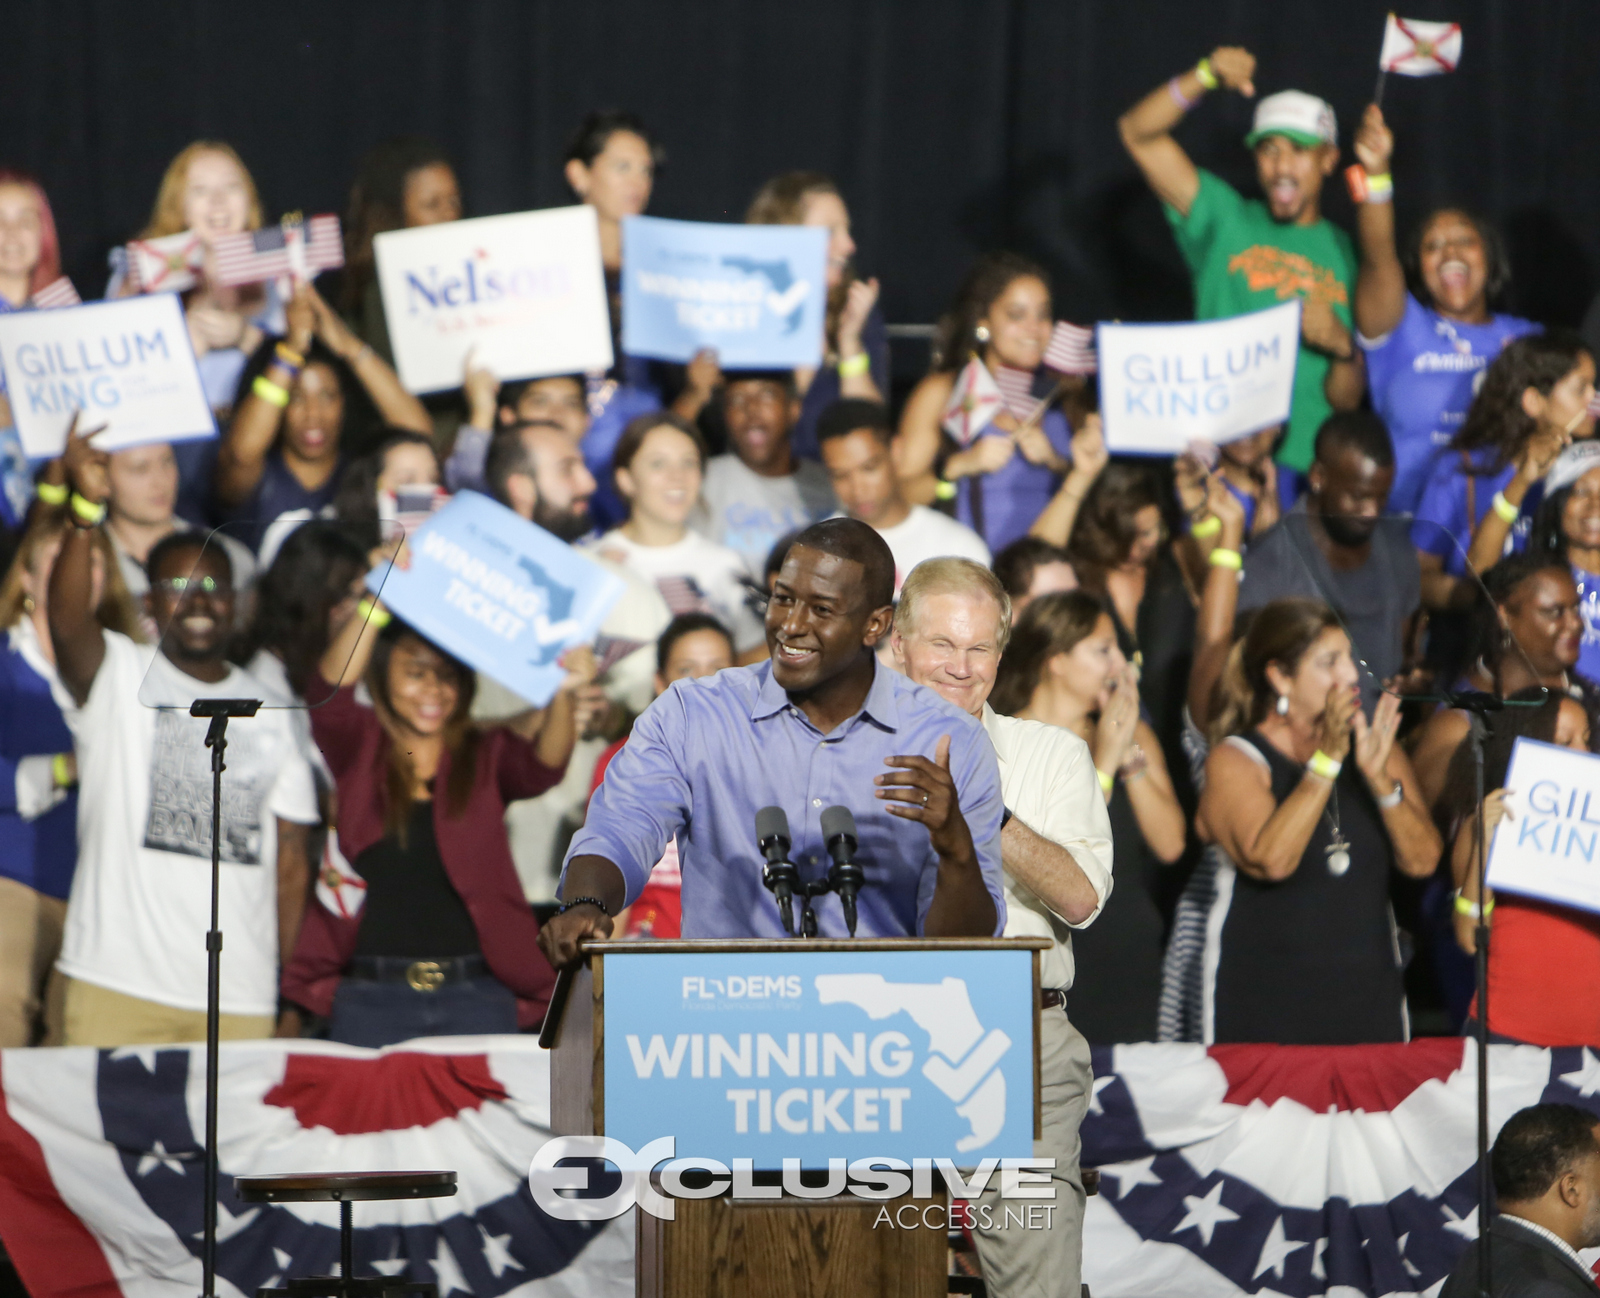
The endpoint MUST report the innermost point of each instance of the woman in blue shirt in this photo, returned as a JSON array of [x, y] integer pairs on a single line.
[[1482, 492], [1006, 477], [855, 359], [1567, 525], [38, 776], [1424, 320]]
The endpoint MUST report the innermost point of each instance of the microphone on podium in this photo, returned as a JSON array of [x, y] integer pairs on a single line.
[[845, 877], [779, 875]]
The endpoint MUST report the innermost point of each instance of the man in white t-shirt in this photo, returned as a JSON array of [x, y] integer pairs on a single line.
[[134, 951], [761, 491], [950, 629], [855, 436]]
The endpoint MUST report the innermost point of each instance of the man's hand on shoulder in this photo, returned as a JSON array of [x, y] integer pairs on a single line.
[[924, 791]]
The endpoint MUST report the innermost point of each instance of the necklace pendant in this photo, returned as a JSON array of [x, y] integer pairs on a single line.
[[1338, 856]]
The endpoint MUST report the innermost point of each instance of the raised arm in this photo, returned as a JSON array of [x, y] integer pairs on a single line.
[[398, 408], [1219, 602], [916, 445], [1147, 127], [75, 634], [1089, 457], [1489, 536], [242, 457], [1381, 283]]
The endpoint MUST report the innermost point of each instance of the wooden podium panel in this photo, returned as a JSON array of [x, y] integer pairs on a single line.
[[771, 1248]]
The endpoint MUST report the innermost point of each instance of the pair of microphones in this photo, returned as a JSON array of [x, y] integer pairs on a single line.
[[781, 877]]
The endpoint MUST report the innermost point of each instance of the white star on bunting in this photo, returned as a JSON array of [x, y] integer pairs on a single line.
[[1277, 1247], [1100, 1084], [1317, 1269], [497, 1253], [394, 1265], [146, 1055], [1586, 1081], [1401, 1245], [1466, 1227], [1129, 1176], [158, 1157], [447, 1271], [1206, 1214]]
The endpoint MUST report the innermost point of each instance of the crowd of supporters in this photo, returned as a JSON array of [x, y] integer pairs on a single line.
[[1253, 640]]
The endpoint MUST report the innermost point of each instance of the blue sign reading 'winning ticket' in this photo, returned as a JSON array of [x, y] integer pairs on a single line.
[[503, 596], [818, 1055], [756, 294]]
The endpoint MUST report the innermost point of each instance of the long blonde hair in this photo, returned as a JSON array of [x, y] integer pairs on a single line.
[[166, 217], [116, 611], [782, 201], [1281, 632]]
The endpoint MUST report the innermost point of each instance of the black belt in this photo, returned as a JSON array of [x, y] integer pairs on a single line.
[[1050, 997], [419, 975]]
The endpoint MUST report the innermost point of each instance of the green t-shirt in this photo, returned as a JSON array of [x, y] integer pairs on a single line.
[[1242, 260]]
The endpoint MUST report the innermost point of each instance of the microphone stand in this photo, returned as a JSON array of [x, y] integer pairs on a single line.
[[219, 711], [1477, 706]]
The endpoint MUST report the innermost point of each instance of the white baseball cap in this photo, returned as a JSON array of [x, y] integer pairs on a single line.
[[1303, 118], [1573, 462]]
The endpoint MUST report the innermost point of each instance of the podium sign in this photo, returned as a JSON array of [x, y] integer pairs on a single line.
[[821, 1054]]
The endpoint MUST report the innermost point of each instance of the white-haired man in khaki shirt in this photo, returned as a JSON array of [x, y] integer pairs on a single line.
[[950, 630]]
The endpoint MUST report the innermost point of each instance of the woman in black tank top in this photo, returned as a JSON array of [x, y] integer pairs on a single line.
[[1313, 805]]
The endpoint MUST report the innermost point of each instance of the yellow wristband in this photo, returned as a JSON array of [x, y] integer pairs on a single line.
[[61, 771], [1465, 907], [1221, 558], [53, 493], [91, 514], [854, 366], [370, 611], [1504, 510], [1380, 188], [945, 490], [1323, 765], [1106, 781], [270, 392], [1206, 527], [1204, 75]]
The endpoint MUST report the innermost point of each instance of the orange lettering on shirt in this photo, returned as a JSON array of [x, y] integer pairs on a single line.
[[1288, 274]]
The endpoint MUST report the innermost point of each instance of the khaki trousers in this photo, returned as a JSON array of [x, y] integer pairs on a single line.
[[1019, 1262], [30, 940], [98, 1016]]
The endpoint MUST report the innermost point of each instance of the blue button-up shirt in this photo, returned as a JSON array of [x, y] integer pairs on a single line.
[[709, 753]]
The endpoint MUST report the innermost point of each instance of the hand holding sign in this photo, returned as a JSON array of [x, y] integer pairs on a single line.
[[1551, 847]]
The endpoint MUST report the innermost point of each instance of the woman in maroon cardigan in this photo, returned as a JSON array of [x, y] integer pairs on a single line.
[[420, 926]]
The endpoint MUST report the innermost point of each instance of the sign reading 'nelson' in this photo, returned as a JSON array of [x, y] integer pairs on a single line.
[[525, 290]]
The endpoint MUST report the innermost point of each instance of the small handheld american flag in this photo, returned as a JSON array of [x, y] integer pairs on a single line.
[[609, 650], [1016, 389], [57, 293], [1071, 349], [293, 248], [683, 595]]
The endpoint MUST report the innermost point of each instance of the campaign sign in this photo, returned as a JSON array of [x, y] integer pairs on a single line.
[[1164, 386], [526, 290], [822, 1054], [1551, 848], [128, 365], [757, 294], [502, 595]]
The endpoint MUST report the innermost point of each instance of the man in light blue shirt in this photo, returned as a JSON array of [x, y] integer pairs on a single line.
[[821, 724]]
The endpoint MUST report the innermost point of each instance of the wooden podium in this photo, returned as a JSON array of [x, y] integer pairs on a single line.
[[724, 1247]]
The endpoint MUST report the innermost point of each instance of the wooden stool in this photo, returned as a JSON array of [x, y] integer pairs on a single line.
[[344, 1188]]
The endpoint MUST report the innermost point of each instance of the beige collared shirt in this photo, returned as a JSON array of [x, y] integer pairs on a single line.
[[1048, 782]]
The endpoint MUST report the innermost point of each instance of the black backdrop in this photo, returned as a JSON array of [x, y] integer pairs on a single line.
[[953, 126]]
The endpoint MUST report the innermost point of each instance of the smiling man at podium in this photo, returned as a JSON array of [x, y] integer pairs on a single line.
[[821, 724]]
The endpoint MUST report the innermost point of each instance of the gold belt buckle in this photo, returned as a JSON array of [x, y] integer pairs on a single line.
[[425, 975]]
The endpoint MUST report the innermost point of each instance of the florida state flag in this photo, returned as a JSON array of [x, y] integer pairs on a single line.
[[974, 402], [1418, 49]]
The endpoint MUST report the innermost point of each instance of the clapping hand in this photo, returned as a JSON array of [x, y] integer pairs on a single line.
[[858, 303], [1333, 729], [1374, 742]]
